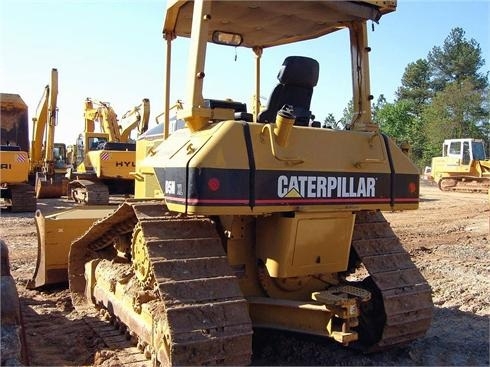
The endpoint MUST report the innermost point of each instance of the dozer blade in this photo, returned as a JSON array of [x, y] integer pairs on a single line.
[[55, 234]]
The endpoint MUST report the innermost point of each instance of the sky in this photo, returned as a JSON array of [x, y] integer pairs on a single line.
[[113, 51]]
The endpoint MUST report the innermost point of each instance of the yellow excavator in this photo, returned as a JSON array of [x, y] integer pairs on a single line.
[[463, 166], [244, 220], [105, 159], [48, 159], [15, 191]]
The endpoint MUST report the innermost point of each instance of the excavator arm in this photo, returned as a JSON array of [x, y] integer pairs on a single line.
[[141, 116], [44, 124], [105, 115], [48, 184]]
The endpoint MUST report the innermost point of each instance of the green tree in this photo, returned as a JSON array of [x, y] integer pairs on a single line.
[[416, 85], [447, 95], [458, 111], [347, 114], [330, 122], [377, 106], [399, 122], [457, 60]]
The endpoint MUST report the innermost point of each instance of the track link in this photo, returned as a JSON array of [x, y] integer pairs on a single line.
[[117, 338], [191, 297], [402, 309], [55, 339]]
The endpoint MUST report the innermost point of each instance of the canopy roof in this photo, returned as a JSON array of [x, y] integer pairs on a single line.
[[272, 23]]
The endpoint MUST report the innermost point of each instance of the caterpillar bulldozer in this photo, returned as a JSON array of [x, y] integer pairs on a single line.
[[48, 163], [463, 166], [106, 158], [16, 192], [256, 220]]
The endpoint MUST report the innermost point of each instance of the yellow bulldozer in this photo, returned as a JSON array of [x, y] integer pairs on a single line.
[[104, 160], [246, 220], [15, 191], [463, 166]]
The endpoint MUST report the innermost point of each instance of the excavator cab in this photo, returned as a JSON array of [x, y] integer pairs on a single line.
[[95, 143], [60, 156]]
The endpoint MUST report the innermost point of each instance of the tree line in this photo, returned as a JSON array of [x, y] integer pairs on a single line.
[[442, 96]]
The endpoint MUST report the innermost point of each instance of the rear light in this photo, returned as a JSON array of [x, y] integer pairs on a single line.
[[412, 188], [213, 184]]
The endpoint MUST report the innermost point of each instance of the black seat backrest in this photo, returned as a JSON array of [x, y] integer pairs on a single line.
[[297, 77]]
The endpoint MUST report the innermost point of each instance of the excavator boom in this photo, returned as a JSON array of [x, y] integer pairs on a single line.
[[48, 182], [44, 124], [141, 116]]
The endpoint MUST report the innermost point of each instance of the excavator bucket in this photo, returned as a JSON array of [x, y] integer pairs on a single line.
[[55, 233], [48, 188]]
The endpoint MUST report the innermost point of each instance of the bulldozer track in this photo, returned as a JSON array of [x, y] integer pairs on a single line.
[[203, 315], [395, 280], [42, 329], [117, 338]]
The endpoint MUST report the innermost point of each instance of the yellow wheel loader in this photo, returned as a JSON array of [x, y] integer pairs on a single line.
[[246, 220], [463, 166], [106, 158], [16, 193]]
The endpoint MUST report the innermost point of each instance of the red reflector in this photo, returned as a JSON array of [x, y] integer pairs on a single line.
[[213, 184], [412, 188]]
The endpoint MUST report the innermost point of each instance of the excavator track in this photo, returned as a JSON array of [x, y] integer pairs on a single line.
[[23, 198], [401, 308], [89, 192], [178, 294]]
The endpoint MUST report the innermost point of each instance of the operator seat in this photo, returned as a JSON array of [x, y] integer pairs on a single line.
[[297, 77]]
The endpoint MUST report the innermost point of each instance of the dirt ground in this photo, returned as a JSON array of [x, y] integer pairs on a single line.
[[448, 239]]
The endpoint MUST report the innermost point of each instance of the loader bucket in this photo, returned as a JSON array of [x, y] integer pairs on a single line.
[[55, 233]]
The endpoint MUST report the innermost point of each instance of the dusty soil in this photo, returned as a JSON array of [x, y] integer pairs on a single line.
[[448, 239]]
